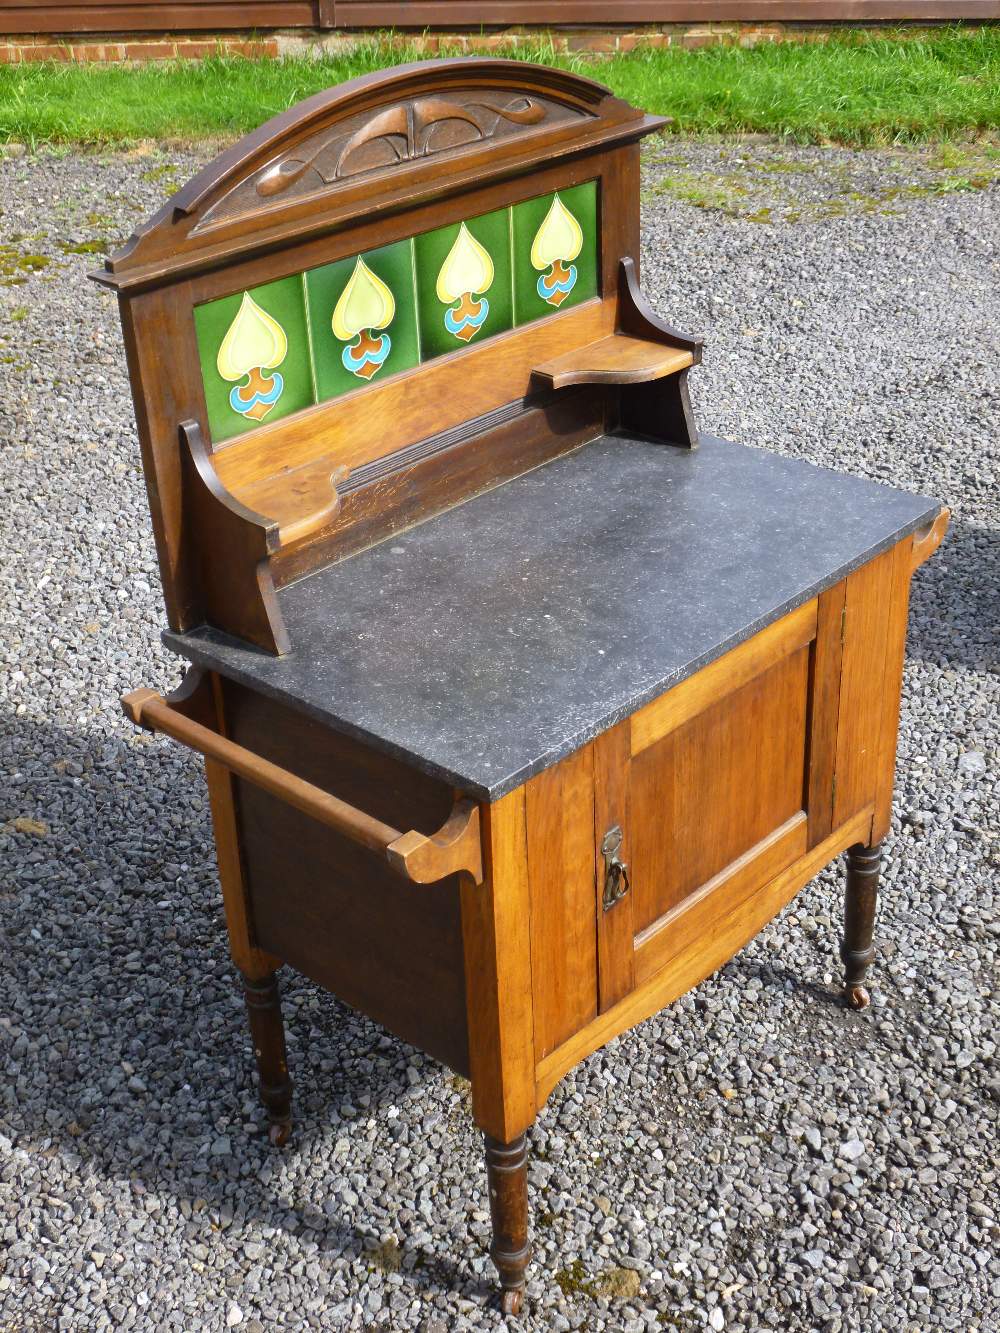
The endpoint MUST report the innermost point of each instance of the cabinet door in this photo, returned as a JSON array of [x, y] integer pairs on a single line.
[[712, 785]]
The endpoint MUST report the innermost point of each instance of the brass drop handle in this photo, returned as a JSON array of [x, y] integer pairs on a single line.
[[616, 882]]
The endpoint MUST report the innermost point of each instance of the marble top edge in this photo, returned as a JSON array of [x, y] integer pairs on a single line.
[[246, 665]]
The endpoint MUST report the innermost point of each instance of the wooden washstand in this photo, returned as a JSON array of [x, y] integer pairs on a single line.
[[523, 707]]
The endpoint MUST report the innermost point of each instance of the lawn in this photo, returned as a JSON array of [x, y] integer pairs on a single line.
[[856, 89]]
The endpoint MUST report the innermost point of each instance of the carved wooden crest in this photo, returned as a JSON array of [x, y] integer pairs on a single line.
[[409, 130], [378, 142], [366, 143]]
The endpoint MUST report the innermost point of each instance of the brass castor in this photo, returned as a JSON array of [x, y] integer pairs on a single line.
[[279, 1133], [857, 997], [512, 1300]]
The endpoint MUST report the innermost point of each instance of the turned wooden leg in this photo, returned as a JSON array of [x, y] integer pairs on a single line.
[[859, 920], [268, 1032], [507, 1170]]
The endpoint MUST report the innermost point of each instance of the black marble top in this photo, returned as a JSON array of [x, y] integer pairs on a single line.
[[490, 641]]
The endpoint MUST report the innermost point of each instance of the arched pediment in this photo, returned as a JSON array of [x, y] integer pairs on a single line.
[[374, 143]]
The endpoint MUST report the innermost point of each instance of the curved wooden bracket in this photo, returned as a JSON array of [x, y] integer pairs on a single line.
[[641, 350], [235, 545], [655, 406], [456, 846], [193, 697], [638, 318], [927, 540], [421, 858]]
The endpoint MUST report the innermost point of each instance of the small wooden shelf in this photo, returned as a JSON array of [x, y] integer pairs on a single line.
[[301, 500], [617, 359]]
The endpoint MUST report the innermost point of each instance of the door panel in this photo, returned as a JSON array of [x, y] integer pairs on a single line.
[[719, 786], [700, 912], [721, 677], [716, 786]]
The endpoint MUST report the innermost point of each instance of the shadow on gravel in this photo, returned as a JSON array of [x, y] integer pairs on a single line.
[[123, 1041], [955, 600], [776, 976]]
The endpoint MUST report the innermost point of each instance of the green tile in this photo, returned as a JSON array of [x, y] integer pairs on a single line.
[[360, 355], [267, 324], [442, 258], [545, 220]]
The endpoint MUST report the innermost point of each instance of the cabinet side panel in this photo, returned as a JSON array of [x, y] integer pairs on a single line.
[[866, 624], [336, 911], [560, 820], [892, 685], [386, 788]]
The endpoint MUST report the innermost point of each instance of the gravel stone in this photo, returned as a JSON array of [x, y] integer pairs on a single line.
[[814, 1138], [849, 305], [972, 763]]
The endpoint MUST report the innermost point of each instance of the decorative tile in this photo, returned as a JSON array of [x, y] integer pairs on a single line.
[[254, 351], [464, 283], [555, 252], [362, 319], [277, 348]]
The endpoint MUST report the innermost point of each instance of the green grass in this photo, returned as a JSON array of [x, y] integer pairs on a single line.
[[859, 89]]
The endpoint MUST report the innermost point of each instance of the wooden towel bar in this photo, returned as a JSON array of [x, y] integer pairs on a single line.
[[419, 857]]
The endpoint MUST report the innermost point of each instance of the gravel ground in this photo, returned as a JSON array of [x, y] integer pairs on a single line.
[[753, 1157]]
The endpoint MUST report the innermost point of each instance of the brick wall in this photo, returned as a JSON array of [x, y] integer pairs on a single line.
[[119, 47]]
